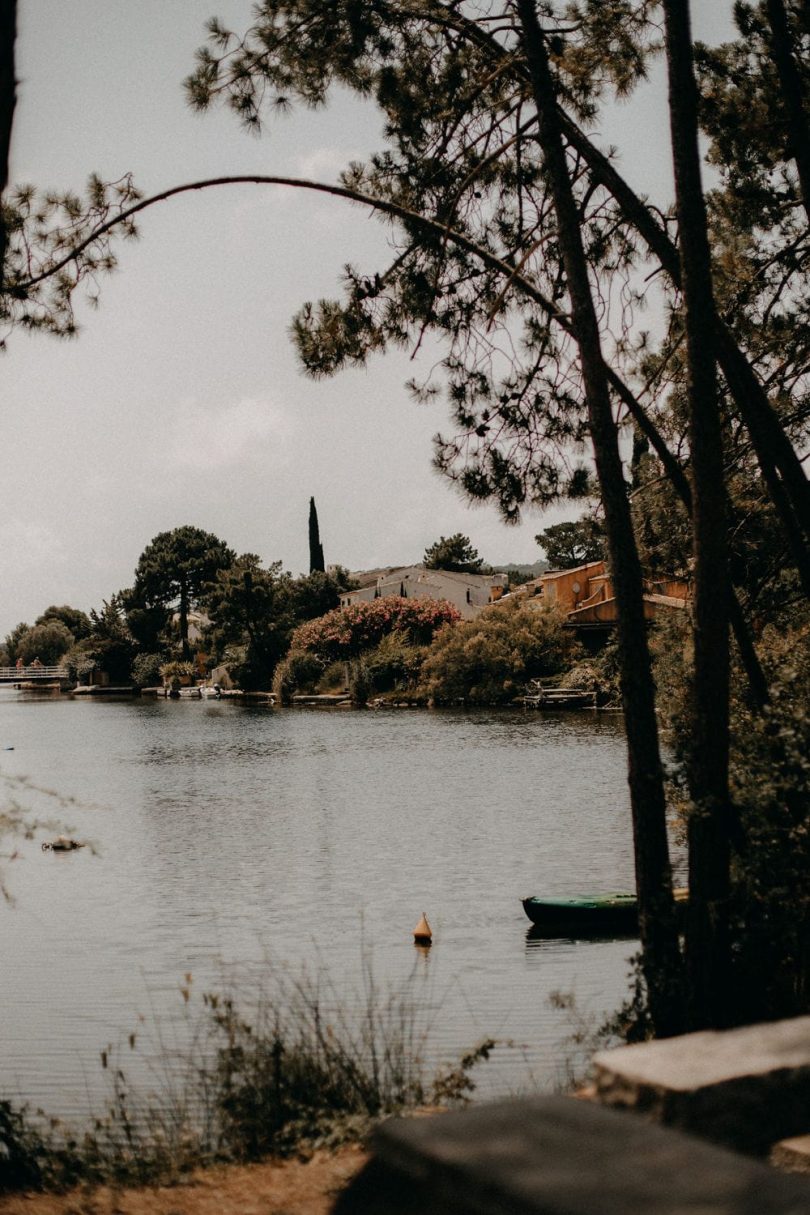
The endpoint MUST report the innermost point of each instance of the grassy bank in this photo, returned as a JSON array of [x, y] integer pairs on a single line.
[[274, 1073]]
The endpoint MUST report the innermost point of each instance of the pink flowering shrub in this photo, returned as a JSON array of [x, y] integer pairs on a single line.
[[346, 632]]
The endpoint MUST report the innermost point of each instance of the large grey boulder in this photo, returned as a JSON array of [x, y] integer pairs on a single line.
[[745, 1088], [557, 1156]]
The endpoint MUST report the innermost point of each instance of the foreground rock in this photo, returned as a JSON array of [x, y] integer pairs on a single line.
[[745, 1088], [555, 1156]]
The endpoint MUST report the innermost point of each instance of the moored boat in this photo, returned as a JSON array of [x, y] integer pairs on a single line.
[[601, 912]]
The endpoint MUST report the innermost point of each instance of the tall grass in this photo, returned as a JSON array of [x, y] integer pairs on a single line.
[[284, 1069]]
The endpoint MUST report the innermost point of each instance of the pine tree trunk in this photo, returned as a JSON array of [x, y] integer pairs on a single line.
[[758, 685], [186, 649], [791, 85], [779, 462], [660, 953], [8, 97], [707, 939]]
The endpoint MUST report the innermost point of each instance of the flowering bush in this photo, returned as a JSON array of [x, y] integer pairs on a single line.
[[348, 631]]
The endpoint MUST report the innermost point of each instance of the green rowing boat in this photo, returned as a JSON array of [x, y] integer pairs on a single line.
[[595, 913]]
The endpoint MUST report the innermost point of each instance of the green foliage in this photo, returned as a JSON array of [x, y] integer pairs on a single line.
[[394, 664], [47, 642], [13, 640], [42, 228], [146, 671], [176, 568], [148, 623], [256, 609], [770, 786], [446, 90], [490, 659], [599, 674], [79, 662], [567, 545], [74, 619], [359, 683], [317, 593], [253, 608], [52, 636], [453, 553], [300, 671], [111, 646], [176, 670]]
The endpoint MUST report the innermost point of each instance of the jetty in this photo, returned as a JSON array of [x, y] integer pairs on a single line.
[[539, 697]]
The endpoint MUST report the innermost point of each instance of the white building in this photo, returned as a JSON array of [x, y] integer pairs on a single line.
[[467, 592]]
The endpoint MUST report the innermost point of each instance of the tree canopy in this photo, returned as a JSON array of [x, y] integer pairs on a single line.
[[453, 553], [175, 568], [523, 248], [74, 619], [567, 545]]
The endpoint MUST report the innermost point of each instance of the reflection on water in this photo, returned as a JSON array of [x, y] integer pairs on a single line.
[[232, 836], [538, 938]]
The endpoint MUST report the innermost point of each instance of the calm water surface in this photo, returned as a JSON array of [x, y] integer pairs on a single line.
[[236, 840]]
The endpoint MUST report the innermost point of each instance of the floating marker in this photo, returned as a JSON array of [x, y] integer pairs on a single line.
[[422, 933]]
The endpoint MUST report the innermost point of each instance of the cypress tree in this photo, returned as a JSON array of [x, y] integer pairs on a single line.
[[315, 546]]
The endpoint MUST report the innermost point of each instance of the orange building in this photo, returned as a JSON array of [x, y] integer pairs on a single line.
[[585, 595]]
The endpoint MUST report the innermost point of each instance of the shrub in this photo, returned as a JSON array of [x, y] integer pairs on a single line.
[[299, 671], [359, 684], [79, 662], [489, 660], [349, 631], [394, 663], [146, 670], [599, 674], [175, 672]]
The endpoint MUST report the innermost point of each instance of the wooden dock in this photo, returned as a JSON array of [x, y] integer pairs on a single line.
[[560, 698]]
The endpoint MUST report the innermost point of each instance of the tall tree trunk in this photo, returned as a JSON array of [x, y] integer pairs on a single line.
[[8, 98], [186, 649], [758, 684], [660, 953], [781, 467], [791, 85], [707, 938], [782, 470]]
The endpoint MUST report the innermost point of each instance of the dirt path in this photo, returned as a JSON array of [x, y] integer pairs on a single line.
[[290, 1187]]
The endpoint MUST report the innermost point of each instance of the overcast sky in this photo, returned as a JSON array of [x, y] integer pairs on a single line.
[[181, 400]]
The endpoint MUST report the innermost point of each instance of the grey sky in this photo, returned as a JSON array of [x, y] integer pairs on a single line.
[[181, 400]]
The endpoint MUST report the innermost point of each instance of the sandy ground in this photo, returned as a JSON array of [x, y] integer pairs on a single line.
[[291, 1187]]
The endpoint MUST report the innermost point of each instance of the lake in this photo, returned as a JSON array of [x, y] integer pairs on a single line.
[[234, 842]]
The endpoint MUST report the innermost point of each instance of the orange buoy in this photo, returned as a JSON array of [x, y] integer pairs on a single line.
[[422, 933]]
